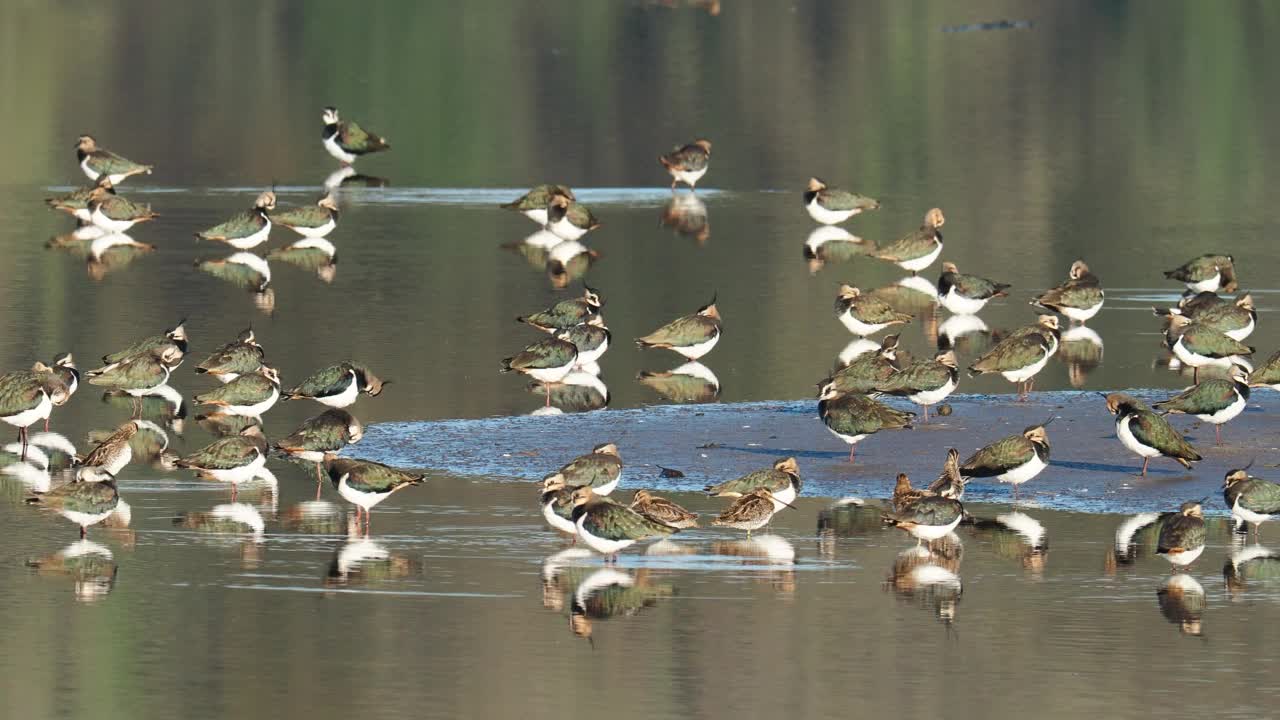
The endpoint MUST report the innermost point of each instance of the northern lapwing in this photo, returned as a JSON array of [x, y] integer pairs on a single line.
[[116, 214], [311, 221], [345, 140], [1216, 401], [1014, 459], [315, 254], [1079, 298], [1236, 320], [110, 456], [556, 500], [608, 528], [925, 382], [547, 361], [966, 294], [1207, 273], [864, 314], [566, 313], [1147, 434], [1182, 535], [1251, 500], [96, 162], [928, 518], [591, 338], [660, 509], [90, 566], [321, 437], [64, 366], [245, 230], [533, 204], [569, 219], [235, 459], [852, 417], [1022, 354], [175, 336], [831, 205], [76, 202], [249, 395], [242, 356], [1198, 346], [245, 270], [84, 503], [916, 251], [579, 391], [600, 469], [782, 480], [139, 375], [338, 385], [687, 164], [751, 511], [1267, 374], [950, 482], [365, 484], [867, 371], [691, 382], [691, 336]]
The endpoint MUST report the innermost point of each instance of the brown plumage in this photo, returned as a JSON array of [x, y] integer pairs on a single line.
[[662, 510]]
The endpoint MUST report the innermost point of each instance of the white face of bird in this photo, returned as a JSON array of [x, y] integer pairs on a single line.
[[355, 431], [1078, 270], [552, 482], [592, 297], [265, 201], [1245, 302], [65, 361], [934, 218], [949, 267], [170, 354], [582, 496], [828, 391], [606, 449], [270, 373], [1239, 374], [328, 202], [787, 465], [1048, 321], [816, 185], [1235, 476], [704, 144], [86, 143], [179, 332], [329, 115], [848, 292]]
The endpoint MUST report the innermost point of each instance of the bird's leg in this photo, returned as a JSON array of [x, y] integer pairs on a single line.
[[83, 532], [1217, 429], [748, 534], [1195, 376], [547, 386], [137, 408], [46, 424], [367, 515], [851, 447], [234, 488], [1015, 493], [673, 186], [22, 437], [1144, 466]]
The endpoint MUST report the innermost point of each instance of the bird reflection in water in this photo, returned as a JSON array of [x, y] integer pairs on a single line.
[[929, 577], [1246, 564], [579, 391], [315, 254], [161, 405], [346, 176], [223, 425], [103, 252], [562, 573], [49, 455], [315, 517], [90, 566], [1135, 537], [771, 559], [831, 243], [687, 215], [1182, 602], [238, 520], [691, 382], [609, 593], [1081, 351], [245, 270], [361, 561], [1019, 537]]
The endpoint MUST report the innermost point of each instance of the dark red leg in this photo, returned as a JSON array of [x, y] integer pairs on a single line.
[[1217, 429], [851, 447], [1144, 466]]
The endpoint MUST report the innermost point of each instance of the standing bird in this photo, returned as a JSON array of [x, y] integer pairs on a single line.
[[950, 482], [1235, 320], [568, 219], [139, 375], [866, 372], [751, 511], [1021, 355], [1207, 273], [966, 294], [1182, 534], [548, 361], [929, 518], [1251, 500], [608, 528], [364, 483], [556, 500], [925, 382], [831, 205], [346, 140], [1147, 434], [534, 203], [865, 314], [114, 213], [83, 503], [1216, 401], [311, 221], [28, 396], [320, 438], [600, 470], [852, 417], [916, 251], [76, 203], [235, 459], [691, 336], [1199, 346], [249, 395], [782, 480], [175, 336], [687, 164], [566, 313], [338, 385], [96, 162], [240, 357], [111, 455], [592, 340], [1014, 459], [1079, 298], [660, 509], [245, 230]]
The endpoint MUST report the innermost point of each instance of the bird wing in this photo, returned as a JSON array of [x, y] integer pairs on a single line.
[[1208, 397], [1012, 353], [224, 454], [833, 199], [236, 357], [325, 382], [244, 390], [302, 216], [549, 353], [687, 330], [771, 479], [378, 478], [999, 457], [615, 522], [689, 157], [353, 138], [241, 225], [1181, 532], [109, 163], [1154, 431]]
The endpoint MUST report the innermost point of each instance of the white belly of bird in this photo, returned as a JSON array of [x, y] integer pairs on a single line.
[[85, 519], [589, 357], [1081, 314], [30, 417], [1240, 334], [549, 375], [957, 326], [563, 524], [920, 263], [566, 230], [755, 523], [331, 144], [851, 439], [244, 473], [933, 397], [1185, 557], [700, 371], [961, 305], [1227, 413], [116, 226], [36, 457], [538, 215], [1193, 360], [563, 252], [1023, 472], [314, 456], [1128, 440], [601, 545], [933, 532], [857, 327], [256, 409], [689, 177], [251, 241], [697, 350], [608, 487], [93, 174], [258, 264], [784, 497], [83, 215], [365, 500], [825, 216], [1028, 372], [344, 398], [1247, 515], [1210, 285], [318, 231]]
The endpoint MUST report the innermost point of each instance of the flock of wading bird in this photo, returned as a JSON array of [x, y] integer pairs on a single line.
[[1204, 330]]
